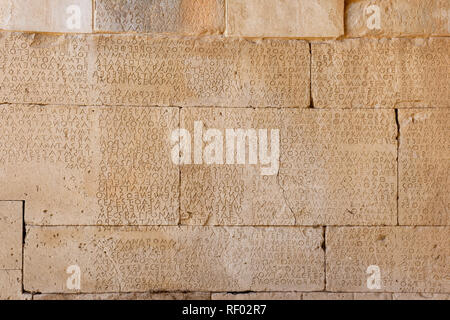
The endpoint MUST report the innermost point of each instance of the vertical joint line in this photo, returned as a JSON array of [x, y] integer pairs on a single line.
[[24, 234], [311, 100], [324, 247], [398, 163], [179, 174]]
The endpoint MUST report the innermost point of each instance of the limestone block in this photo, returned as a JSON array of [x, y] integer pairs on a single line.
[[334, 167], [11, 229], [397, 18], [153, 70], [126, 296], [372, 73], [372, 296], [421, 296], [202, 259], [258, 296], [424, 166], [288, 18], [327, 296], [388, 259], [11, 285], [90, 165], [160, 16], [69, 16]]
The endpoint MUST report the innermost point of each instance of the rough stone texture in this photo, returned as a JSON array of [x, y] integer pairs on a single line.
[[424, 166], [302, 296], [335, 168], [11, 285], [288, 18], [11, 229], [90, 165], [371, 73], [146, 71], [327, 296], [258, 296], [88, 124], [46, 15], [160, 16], [397, 18], [126, 296], [409, 259], [130, 259], [372, 296], [421, 296]]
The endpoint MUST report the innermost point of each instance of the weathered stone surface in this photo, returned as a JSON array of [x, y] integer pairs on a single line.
[[130, 259], [424, 166], [397, 18], [403, 259], [11, 229], [302, 296], [160, 16], [258, 296], [288, 18], [11, 285], [126, 296], [371, 73], [90, 165], [46, 15], [327, 296], [335, 168], [372, 296], [146, 71], [421, 296]]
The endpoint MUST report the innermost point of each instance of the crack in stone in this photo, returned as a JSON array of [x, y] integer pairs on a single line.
[[207, 219], [283, 194]]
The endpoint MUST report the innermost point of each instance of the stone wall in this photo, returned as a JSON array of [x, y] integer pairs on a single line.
[[224, 149]]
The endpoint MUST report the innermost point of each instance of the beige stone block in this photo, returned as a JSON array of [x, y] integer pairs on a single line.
[[372, 296], [150, 70], [288, 18], [334, 168], [386, 73], [397, 18], [160, 16], [424, 166], [126, 296], [201, 259], [74, 16], [421, 296], [388, 259], [327, 296], [258, 296], [11, 285], [90, 165], [11, 229]]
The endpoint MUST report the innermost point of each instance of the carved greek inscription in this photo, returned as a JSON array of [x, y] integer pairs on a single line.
[[388, 259], [84, 165], [424, 166], [397, 18], [370, 73], [130, 259], [162, 16], [146, 71], [335, 168]]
